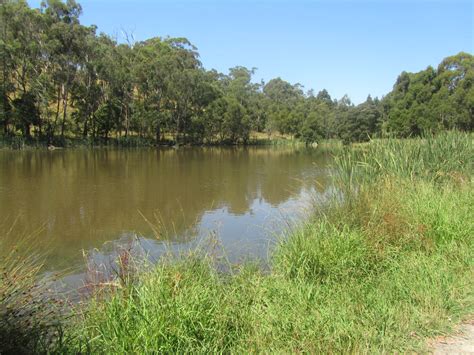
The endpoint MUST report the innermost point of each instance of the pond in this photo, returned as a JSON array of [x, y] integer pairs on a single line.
[[67, 202]]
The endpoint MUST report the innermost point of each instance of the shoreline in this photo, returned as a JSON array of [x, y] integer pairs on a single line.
[[387, 269], [22, 144]]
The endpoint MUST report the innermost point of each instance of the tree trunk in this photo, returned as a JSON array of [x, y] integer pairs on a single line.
[[126, 121], [94, 134], [27, 130], [158, 133], [85, 131], [40, 128], [63, 123], [5, 113], [4, 93], [178, 124], [58, 100]]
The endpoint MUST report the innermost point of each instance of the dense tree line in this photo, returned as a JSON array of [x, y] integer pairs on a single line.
[[61, 79]]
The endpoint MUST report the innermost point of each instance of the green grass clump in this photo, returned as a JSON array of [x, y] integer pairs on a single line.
[[179, 307], [31, 316], [389, 278], [387, 266]]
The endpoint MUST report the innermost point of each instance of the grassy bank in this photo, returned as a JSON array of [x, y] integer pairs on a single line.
[[381, 270]]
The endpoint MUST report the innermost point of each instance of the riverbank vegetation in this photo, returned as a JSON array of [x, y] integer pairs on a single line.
[[380, 270], [63, 84], [384, 267], [31, 314]]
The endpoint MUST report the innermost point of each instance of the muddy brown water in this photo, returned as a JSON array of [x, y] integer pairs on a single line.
[[99, 200]]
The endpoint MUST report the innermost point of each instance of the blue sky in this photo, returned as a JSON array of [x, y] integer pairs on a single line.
[[347, 47]]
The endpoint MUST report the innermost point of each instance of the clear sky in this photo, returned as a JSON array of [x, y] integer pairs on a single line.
[[347, 47]]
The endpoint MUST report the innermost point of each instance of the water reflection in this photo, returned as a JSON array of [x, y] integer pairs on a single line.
[[84, 198]]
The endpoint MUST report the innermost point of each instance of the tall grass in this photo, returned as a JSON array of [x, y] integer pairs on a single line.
[[379, 274], [332, 288], [31, 315], [432, 158]]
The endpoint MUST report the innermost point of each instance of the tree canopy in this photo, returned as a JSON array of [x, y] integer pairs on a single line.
[[62, 79]]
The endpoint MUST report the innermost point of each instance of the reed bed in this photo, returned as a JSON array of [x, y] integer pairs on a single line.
[[431, 158]]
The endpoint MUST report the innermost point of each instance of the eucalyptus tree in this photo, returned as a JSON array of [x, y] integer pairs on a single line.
[[285, 113], [362, 122], [155, 65], [8, 9], [317, 119], [21, 65], [86, 90], [186, 84], [66, 41], [60, 77], [454, 99]]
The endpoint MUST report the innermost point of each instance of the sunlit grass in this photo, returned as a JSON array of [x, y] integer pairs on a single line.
[[383, 269]]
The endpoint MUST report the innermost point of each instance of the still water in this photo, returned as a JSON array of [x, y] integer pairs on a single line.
[[70, 201]]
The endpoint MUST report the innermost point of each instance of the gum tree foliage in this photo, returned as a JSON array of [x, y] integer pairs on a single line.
[[60, 79]]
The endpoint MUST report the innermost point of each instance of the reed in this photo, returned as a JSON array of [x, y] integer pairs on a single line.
[[434, 158], [31, 315]]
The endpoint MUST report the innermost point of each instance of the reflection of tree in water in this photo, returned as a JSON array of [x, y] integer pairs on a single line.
[[86, 197]]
